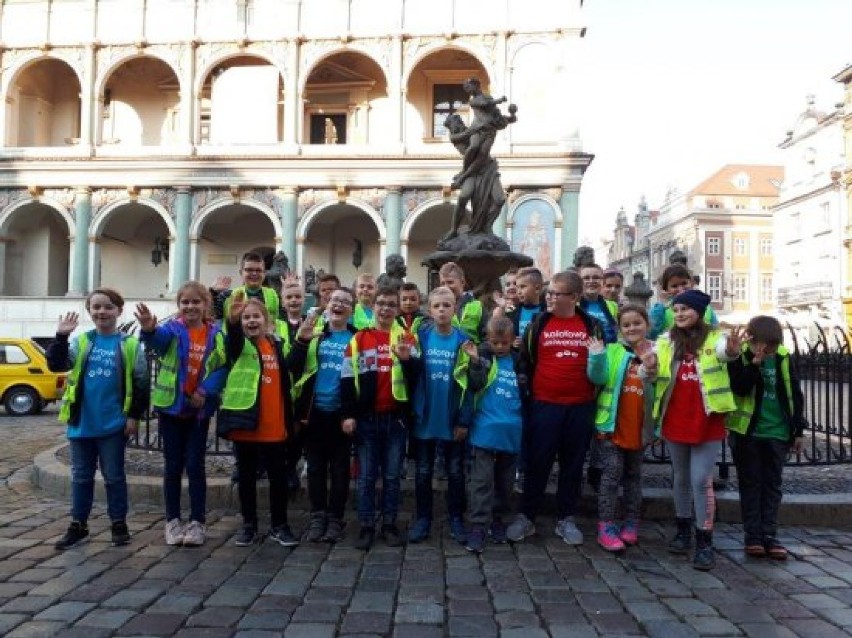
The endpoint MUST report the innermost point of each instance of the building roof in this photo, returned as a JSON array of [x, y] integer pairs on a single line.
[[742, 180], [844, 76]]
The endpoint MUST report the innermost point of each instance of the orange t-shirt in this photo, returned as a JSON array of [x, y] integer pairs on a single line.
[[270, 417], [195, 356], [631, 410]]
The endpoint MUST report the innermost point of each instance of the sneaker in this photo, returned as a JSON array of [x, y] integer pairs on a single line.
[[316, 527], [476, 539], [567, 530], [194, 534], [246, 536], [120, 533], [391, 535], [419, 531], [458, 531], [775, 550], [365, 538], [333, 531], [75, 534], [608, 537], [174, 532], [629, 534], [283, 536], [520, 528], [497, 531]]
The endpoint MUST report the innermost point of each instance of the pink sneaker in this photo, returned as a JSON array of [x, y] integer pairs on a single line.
[[630, 532], [608, 537]]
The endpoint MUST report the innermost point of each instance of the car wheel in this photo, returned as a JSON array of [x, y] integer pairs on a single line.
[[21, 401]]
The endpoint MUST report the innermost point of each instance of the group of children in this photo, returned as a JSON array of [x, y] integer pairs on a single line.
[[548, 375]]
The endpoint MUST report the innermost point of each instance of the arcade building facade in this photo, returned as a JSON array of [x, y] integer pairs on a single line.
[[147, 143]]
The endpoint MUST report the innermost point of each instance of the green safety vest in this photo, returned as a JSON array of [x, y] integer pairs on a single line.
[[360, 319], [738, 421], [129, 348], [470, 319], [617, 360], [282, 329], [165, 386], [241, 388], [715, 383], [270, 300], [311, 366], [398, 389]]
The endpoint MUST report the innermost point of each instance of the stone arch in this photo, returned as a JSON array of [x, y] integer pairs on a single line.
[[419, 238], [7, 213], [201, 216], [310, 216], [47, 112], [413, 216], [100, 220], [105, 75], [557, 211], [349, 48], [436, 47], [201, 78]]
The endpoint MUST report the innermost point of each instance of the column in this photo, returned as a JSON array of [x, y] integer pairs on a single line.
[[292, 102], [180, 250], [89, 111], [188, 101], [398, 91], [500, 222], [569, 205], [393, 219], [289, 217], [79, 278]]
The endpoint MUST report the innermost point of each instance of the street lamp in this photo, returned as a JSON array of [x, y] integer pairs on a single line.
[[160, 251]]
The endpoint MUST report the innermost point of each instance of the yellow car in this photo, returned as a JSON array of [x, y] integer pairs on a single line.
[[26, 383]]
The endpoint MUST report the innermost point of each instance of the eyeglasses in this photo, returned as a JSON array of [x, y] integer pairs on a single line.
[[342, 302], [593, 278], [253, 271], [553, 293]]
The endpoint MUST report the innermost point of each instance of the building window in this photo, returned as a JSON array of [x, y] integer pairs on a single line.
[[328, 129], [446, 100], [714, 245], [740, 284], [714, 287], [766, 289], [765, 246], [740, 246]]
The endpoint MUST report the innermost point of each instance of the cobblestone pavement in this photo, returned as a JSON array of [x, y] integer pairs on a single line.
[[540, 588]]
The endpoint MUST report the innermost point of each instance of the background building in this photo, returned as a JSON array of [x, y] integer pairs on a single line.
[[146, 143], [809, 221], [845, 78], [629, 252]]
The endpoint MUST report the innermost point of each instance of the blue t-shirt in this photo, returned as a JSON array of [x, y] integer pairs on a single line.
[[596, 310], [101, 405], [432, 396], [497, 420], [329, 361], [527, 314]]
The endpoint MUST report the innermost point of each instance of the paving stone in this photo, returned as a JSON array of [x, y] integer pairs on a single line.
[[669, 629], [215, 617], [176, 603], [516, 619], [712, 626], [472, 626], [689, 607], [526, 632], [10, 621], [36, 629], [645, 612], [470, 608], [78, 631], [27, 604], [318, 612], [106, 618], [286, 604], [203, 632], [309, 630], [151, 624], [506, 601], [840, 617], [367, 622], [277, 620], [818, 601], [132, 598], [372, 601], [258, 633], [766, 630], [419, 613], [814, 627], [583, 630], [232, 596], [66, 612], [417, 631]]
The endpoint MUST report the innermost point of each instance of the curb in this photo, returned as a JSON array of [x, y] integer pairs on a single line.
[[824, 510]]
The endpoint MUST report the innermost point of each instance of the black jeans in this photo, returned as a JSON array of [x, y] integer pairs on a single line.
[[328, 452], [273, 456], [184, 447], [759, 463]]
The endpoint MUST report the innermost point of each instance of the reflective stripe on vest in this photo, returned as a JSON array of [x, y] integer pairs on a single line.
[[243, 379], [715, 383], [167, 375], [398, 389], [739, 420], [311, 366], [617, 359], [129, 348]]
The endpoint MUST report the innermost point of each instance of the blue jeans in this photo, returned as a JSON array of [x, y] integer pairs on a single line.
[[86, 455], [425, 464], [380, 439], [184, 446]]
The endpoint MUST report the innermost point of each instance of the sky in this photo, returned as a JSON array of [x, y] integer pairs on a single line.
[[672, 90]]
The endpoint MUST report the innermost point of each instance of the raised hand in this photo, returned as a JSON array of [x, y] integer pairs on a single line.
[[759, 352], [738, 336], [470, 349], [402, 350], [68, 323], [595, 345], [291, 277], [223, 282], [238, 304], [306, 330], [147, 321]]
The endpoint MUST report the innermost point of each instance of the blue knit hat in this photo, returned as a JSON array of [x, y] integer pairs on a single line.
[[694, 299]]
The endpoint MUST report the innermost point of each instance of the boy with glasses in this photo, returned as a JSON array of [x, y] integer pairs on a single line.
[[562, 374], [252, 272]]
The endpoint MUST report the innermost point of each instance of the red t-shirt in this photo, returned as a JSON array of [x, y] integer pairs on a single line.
[[685, 420], [270, 418], [631, 410], [195, 355], [561, 360], [384, 391]]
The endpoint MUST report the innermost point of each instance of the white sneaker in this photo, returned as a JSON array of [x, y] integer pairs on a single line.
[[520, 528], [174, 532], [567, 530], [193, 534]]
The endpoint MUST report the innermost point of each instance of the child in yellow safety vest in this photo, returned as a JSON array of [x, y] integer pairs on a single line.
[[624, 426], [183, 345], [105, 396], [767, 423], [692, 396]]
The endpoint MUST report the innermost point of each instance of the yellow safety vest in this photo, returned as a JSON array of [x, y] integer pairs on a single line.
[[738, 421], [129, 348], [270, 300], [361, 320], [470, 319], [398, 389], [617, 360]]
